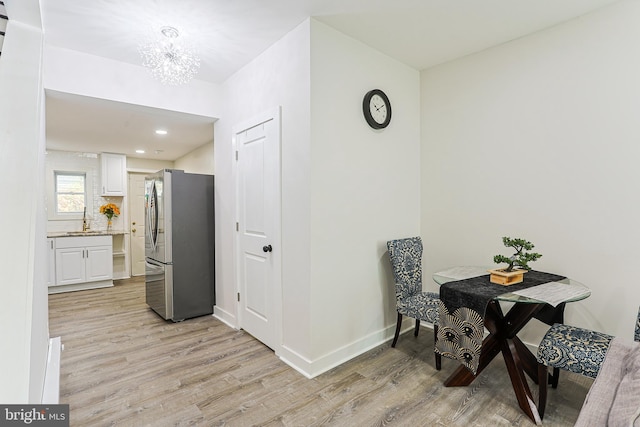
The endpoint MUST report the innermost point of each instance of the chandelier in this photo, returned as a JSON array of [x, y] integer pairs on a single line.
[[170, 61]]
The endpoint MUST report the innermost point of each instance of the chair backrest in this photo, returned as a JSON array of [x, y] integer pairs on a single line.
[[406, 261], [636, 335]]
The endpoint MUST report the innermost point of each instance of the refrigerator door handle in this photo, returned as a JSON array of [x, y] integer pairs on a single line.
[[152, 218], [151, 263]]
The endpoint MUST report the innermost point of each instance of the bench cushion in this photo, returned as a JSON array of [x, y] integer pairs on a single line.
[[574, 349]]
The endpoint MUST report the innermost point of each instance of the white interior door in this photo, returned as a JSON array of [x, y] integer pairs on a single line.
[[258, 167], [136, 209]]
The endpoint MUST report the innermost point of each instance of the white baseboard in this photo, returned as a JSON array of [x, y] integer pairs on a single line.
[[312, 368], [80, 286], [225, 317], [51, 389]]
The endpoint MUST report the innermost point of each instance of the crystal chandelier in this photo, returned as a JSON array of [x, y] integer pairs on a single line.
[[170, 61]]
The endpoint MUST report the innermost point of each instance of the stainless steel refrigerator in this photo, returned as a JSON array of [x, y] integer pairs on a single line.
[[179, 244]]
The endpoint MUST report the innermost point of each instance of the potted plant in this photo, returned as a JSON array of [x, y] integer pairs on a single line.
[[518, 262], [109, 210]]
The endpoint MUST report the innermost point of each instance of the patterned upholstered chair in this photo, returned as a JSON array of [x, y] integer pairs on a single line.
[[406, 261], [573, 349]]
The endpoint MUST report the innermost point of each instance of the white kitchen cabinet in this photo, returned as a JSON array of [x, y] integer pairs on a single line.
[[51, 262], [99, 263], [83, 260], [114, 174]]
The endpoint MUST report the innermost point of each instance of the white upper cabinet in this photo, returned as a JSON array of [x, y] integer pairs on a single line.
[[114, 174]]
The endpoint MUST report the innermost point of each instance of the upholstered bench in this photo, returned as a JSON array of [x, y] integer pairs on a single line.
[[614, 397], [573, 349]]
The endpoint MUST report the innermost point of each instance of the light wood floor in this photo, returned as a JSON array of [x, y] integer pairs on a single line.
[[123, 365]]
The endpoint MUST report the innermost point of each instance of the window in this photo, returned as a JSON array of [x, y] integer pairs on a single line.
[[70, 192], [69, 189]]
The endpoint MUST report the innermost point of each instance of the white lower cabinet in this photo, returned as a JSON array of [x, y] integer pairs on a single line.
[[83, 260], [99, 263]]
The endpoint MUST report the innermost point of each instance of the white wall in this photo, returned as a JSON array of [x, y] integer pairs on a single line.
[[342, 184], [365, 190], [538, 138], [135, 164], [23, 291], [105, 78], [199, 160], [278, 77]]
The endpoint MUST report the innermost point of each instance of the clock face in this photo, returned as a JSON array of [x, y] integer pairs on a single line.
[[377, 109]]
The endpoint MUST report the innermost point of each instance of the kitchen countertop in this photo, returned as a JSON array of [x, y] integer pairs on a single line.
[[83, 234]]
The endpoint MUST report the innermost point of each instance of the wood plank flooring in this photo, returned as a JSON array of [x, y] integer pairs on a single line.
[[123, 365]]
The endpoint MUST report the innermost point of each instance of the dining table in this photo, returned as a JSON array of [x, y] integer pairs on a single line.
[[475, 336]]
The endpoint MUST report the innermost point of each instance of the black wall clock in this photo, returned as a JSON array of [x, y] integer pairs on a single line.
[[377, 109]]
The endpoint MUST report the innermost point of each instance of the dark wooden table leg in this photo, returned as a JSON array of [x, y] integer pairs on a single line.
[[528, 360], [519, 361], [519, 381], [543, 373]]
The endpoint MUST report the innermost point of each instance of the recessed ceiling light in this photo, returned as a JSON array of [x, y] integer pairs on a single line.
[[161, 132], [140, 151]]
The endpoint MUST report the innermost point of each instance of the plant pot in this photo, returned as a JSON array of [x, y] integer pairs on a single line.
[[506, 278]]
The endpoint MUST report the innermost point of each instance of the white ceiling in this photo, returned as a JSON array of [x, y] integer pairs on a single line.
[[78, 123], [229, 34]]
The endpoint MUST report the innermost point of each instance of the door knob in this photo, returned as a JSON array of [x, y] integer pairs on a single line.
[[133, 230], [267, 248]]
